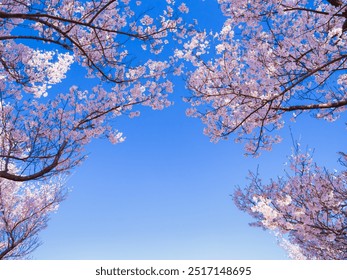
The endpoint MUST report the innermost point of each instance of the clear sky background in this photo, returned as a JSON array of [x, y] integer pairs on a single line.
[[165, 192]]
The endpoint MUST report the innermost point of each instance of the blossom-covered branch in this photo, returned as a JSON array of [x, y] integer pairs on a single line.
[[307, 209], [43, 131], [24, 212], [270, 58]]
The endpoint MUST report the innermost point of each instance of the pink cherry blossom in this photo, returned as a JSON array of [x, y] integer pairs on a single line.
[[306, 209], [24, 211], [43, 131], [270, 58]]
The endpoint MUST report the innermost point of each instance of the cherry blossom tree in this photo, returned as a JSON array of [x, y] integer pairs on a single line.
[[307, 208], [24, 212], [43, 127], [271, 59], [43, 131], [271, 62]]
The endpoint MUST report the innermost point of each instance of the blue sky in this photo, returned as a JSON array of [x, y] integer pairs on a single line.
[[165, 192]]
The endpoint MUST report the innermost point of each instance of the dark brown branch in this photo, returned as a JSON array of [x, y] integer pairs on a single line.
[[37, 38], [40, 174], [38, 17], [328, 105]]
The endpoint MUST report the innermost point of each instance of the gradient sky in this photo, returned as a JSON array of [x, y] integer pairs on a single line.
[[165, 192]]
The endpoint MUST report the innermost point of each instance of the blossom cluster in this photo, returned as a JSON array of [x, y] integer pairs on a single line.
[[269, 58], [24, 211], [307, 209], [44, 131]]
